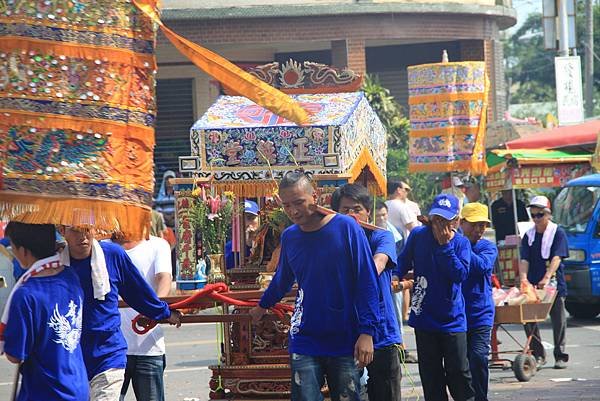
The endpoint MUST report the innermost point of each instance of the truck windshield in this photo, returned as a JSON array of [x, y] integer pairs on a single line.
[[573, 207]]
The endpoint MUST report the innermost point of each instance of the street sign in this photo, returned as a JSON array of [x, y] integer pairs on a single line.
[[569, 94]]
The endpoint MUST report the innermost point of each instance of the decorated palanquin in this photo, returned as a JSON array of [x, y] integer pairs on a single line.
[[448, 105], [240, 147]]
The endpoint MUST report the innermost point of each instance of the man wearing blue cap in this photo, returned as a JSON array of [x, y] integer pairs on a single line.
[[440, 259], [251, 211]]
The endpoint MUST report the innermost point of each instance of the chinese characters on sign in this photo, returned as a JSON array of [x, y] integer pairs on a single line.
[[569, 96]]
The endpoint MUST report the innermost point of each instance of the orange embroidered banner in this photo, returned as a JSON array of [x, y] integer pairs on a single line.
[[78, 108]]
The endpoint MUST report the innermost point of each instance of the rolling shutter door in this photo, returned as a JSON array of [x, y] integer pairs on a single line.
[[397, 83], [175, 118]]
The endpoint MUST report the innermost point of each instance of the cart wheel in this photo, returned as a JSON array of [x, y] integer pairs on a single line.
[[524, 367], [533, 363]]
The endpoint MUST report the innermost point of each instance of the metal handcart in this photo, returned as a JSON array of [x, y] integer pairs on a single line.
[[524, 365]]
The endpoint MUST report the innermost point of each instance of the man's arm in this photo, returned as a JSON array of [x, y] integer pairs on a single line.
[[280, 284], [483, 258], [367, 295], [524, 261], [405, 259], [162, 281], [384, 250], [559, 250], [410, 226], [12, 359], [523, 270], [381, 260], [454, 264], [554, 265]]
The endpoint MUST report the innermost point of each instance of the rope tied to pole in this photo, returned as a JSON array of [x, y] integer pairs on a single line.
[[212, 291]]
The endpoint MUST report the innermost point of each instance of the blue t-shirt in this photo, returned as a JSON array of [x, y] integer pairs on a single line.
[[477, 290], [388, 331], [44, 330], [103, 344], [229, 255], [538, 265], [337, 287], [437, 302]]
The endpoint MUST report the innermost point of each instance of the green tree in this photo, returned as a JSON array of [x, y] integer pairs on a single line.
[[530, 68], [397, 126]]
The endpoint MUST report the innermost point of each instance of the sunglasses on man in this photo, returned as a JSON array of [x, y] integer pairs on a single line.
[[538, 215]]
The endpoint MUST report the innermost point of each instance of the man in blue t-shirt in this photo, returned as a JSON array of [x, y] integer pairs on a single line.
[[103, 344], [477, 291], [336, 311], [385, 372], [43, 328], [440, 259], [541, 263]]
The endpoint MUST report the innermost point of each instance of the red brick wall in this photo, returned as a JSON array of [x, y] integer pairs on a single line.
[[265, 30]]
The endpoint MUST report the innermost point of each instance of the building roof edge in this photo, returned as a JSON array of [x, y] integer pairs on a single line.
[[505, 16]]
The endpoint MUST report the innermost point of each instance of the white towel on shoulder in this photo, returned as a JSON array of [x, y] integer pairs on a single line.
[[100, 279], [547, 238]]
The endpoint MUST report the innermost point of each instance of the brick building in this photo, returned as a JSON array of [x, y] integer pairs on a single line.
[[381, 37]]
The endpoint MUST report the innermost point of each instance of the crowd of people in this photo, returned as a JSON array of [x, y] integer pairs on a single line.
[[62, 322], [356, 285], [352, 282]]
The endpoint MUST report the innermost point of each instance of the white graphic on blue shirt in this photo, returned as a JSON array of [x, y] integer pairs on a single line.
[[297, 316], [419, 295], [67, 328]]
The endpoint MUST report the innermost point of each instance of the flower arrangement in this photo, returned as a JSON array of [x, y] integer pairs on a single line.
[[211, 216]]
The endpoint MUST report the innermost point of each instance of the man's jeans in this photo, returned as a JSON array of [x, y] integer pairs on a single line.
[[146, 375], [105, 385], [309, 373], [478, 349]]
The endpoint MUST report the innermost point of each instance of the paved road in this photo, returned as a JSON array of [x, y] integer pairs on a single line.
[[192, 348]]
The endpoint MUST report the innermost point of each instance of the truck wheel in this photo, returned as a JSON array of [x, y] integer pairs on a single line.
[[582, 311], [524, 367]]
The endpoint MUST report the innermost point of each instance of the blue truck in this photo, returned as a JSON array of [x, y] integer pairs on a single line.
[[577, 210]]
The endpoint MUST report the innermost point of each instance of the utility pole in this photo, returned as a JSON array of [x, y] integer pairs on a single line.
[[589, 58]]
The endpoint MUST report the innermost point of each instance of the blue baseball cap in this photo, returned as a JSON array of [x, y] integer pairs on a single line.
[[446, 206], [251, 207]]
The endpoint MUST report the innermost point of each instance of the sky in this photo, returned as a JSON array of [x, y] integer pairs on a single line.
[[524, 8]]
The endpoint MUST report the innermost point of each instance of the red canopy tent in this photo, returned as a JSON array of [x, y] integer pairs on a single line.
[[572, 135]]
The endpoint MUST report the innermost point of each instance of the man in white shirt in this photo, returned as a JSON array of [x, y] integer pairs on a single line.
[[146, 360], [402, 212]]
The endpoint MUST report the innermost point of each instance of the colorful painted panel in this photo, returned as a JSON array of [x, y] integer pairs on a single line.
[[235, 111], [251, 153], [363, 143], [448, 103], [77, 95]]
